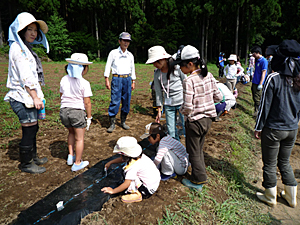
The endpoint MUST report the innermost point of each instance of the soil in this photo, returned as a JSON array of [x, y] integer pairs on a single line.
[[19, 191]]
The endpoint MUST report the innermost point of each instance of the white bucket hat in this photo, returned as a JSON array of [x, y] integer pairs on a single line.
[[26, 18], [128, 146], [156, 53], [79, 58], [232, 57]]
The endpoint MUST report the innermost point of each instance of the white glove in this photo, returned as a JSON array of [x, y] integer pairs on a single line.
[[88, 123], [259, 87]]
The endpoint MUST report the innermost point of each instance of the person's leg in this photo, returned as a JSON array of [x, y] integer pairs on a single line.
[[228, 84], [36, 159], [181, 116], [170, 112], [126, 98], [71, 140], [116, 93], [79, 142]]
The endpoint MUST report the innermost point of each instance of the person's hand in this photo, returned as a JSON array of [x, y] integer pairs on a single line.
[[108, 190], [259, 87], [157, 120], [257, 134], [133, 86], [107, 84], [88, 123], [38, 104], [107, 165]]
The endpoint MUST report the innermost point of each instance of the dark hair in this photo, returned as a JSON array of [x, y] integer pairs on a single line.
[[128, 158], [39, 36], [256, 49], [197, 62], [296, 83], [170, 67]]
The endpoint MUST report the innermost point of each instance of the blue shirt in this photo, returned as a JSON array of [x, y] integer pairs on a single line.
[[221, 63], [260, 65]]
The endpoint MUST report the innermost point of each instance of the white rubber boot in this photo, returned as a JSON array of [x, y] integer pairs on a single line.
[[269, 196], [290, 195]]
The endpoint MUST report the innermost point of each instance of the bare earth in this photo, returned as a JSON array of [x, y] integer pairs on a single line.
[[19, 191]]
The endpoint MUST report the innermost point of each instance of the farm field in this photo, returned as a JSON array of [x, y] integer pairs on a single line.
[[232, 155]]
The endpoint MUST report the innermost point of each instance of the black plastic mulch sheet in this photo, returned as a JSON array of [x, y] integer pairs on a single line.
[[81, 196]]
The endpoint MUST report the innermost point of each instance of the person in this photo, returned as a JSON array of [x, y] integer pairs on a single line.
[[221, 64], [168, 86], [261, 66], [269, 57], [231, 72], [171, 156], [200, 92], [121, 62], [277, 122], [76, 109], [25, 73], [142, 178], [251, 65]]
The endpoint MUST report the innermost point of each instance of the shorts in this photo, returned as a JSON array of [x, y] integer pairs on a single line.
[[73, 117], [25, 115]]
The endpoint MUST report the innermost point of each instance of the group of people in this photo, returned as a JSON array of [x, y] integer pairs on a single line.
[[192, 97]]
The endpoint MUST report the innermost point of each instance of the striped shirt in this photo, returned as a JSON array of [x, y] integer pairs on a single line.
[[168, 143], [199, 95]]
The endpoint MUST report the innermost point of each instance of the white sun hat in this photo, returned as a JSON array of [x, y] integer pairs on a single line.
[[156, 53], [26, 18], [232, 57], [128, 146], [79, 58]]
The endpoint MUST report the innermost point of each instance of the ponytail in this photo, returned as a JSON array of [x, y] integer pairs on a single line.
[[170, 67], [203, 68]]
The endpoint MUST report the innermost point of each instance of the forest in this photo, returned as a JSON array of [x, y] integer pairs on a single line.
[[93, 26]]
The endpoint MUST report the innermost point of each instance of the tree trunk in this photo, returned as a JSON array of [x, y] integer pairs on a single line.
[[1, 33], [97, 33], [237, 29], [203, 37], [206, 38], [248, 35]]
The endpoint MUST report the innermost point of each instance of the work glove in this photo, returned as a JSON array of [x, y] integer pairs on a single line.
[[88, 123], [259, 87]]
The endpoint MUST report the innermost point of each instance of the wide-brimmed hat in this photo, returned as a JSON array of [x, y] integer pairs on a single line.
[[232, 57], [185, 53], [26, 18], [125, 36], [128, 146], [79, 58], [156, 53]]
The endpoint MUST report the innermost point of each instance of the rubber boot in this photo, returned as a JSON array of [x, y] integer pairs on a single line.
[[27, 163], [269, 196], [35, 158], [123, 119], [290, 195], [112, 124]]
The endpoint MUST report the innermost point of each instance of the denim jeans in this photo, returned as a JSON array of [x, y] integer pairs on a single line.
[[120, 92], [276, 148], [25, 115], [171, 116]]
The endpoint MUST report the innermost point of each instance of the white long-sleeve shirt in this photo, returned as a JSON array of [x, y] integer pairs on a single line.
[[231, 72], [120, 63]]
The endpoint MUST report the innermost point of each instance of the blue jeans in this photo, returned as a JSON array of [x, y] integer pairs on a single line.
[[276, 146], [120, 91], [171, 116], [25, 115]]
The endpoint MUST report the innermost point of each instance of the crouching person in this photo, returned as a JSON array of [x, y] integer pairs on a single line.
[[171, 154], [141, 175]]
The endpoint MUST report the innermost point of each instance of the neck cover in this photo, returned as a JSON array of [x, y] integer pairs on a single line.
[[75, 70]]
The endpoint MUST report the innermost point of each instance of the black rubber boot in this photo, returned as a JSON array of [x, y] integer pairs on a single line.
[[27, 163], [112, 124], [35, 158], [123, 119]]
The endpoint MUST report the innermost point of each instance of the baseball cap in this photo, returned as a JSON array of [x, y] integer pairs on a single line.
[[185, 53], [125, 36]]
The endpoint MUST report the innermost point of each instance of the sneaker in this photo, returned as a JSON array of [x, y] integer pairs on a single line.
[[80, 166], [71, 160], [189, 184], [134, 197], [164, 177]]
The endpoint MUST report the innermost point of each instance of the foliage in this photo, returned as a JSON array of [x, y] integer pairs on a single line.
[[59, 41]]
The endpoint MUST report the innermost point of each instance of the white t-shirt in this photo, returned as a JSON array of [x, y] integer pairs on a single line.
[[146, 171], [74, 91]]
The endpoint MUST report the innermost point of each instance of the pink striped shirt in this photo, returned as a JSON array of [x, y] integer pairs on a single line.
[[199, 95], [169, 143]]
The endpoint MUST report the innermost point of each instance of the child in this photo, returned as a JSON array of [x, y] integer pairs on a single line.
[[141, 175], [171, 155], [200, 92], [232, 72], [76, 110]]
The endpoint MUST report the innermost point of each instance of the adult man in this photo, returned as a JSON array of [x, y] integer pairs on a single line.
[[121, 62], [261, 67]]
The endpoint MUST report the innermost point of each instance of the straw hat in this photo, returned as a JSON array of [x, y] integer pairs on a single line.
[[232, 57], [79, 58], [128, 146], [156, 53], [26, 18]]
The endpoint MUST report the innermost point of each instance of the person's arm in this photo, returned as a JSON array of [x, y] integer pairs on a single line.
[[38, 104], [118, 189], [188, 94], [133, 85], [157, 120], [158, 96], [263, 75], [133, 76], [88, 106], [117, 160], [107, 69]]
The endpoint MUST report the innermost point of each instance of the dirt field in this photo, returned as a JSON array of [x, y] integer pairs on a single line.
[[18, 191]]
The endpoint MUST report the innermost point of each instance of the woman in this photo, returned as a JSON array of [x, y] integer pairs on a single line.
[[168, 85], [25, 95], [277, 122]]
